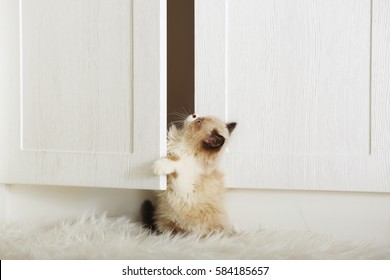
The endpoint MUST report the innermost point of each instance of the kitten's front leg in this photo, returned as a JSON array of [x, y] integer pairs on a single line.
[[164, 166]]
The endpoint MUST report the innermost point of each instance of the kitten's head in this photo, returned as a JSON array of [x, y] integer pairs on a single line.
[[206, 136]]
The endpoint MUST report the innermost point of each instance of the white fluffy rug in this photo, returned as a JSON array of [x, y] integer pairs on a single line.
[[101, 237]]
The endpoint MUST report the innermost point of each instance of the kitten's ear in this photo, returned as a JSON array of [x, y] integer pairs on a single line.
[[231, 126], [214, 142]]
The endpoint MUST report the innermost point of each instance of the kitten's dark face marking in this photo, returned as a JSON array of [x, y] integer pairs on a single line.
[[214, 142]]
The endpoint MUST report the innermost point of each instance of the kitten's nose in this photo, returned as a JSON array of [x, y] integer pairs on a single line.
[[194, 116]]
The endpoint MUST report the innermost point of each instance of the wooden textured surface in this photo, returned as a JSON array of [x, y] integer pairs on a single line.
[[76, 75], [83, 92], [305, 81]]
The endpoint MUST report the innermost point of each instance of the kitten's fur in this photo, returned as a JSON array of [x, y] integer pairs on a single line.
[[193, 199]]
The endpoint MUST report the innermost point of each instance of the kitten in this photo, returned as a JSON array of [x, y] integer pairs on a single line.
[[193, 199]]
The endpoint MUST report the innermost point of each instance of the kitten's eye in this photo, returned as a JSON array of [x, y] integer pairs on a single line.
[[194, 116], [199, 122]]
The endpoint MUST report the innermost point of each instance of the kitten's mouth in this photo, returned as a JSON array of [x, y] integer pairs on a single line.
[[214, 142]]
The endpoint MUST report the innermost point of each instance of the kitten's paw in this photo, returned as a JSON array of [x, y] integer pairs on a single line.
[[163, 166]]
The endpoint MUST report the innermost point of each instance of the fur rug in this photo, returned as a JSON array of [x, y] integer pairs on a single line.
[[101, 237]]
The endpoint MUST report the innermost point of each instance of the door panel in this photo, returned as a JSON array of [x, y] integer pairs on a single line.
[[76, 75], [300, 79], [304, 68], [83, 92]]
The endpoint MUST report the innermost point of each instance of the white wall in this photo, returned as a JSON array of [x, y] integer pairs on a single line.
[[349, 216], [51, 203]]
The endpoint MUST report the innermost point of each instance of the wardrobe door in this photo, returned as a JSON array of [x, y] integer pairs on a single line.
[[83, 92], [306, 82]]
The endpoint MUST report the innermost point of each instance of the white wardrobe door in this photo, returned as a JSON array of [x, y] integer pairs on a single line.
[[83, 92], [303, 80]]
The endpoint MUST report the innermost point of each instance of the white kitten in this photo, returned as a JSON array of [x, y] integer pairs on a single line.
[[193, 199]]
